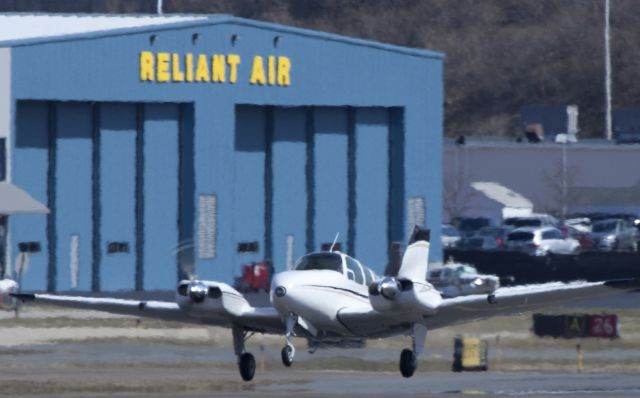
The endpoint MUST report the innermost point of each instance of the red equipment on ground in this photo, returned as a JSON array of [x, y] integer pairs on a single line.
[[255, 276]]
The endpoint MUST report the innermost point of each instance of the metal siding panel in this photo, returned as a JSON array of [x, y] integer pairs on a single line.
[[5, 95], [185, 252], [73, 192], [396, 174], [372, 187], [117, 194], [323, 72], [331, 184], [289, 154], [249, 185], [213, 149], [30, 161], [160, 196]]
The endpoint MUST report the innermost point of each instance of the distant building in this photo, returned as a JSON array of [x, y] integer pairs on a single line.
[[590, 175]]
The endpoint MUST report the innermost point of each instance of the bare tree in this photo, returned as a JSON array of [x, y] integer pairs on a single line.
[[560, 181]]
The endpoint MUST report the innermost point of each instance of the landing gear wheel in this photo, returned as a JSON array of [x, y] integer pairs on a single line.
[[287, 355], [247, 366], [492, 299], [408, 363]]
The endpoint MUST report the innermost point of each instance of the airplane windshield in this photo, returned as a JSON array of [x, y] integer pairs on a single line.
[[330, 261]]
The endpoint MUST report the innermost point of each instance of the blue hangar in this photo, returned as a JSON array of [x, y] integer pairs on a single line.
[[170, 145]]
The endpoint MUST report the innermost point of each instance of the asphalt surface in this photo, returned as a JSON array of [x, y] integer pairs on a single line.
[[136, 369], [146, 363]]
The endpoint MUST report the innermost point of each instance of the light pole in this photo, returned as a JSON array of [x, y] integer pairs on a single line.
[[607, 71]]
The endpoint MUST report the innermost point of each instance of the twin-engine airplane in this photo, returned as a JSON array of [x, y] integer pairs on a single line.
[[331, 298]]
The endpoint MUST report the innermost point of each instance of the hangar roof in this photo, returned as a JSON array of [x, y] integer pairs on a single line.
[[34, 26], [58, 27]]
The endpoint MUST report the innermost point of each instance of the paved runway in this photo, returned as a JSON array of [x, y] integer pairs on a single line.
[[162, 370]]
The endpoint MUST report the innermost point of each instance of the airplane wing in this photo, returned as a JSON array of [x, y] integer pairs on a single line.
[[261, 319], [509, 300], [517, 299]]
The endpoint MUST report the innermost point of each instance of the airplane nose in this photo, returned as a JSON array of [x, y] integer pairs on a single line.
[[283, 286]]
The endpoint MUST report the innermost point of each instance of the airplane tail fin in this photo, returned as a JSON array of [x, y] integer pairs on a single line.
[[416, 257]]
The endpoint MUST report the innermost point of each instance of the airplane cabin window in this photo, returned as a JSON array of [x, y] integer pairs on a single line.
[[328, 261], [353, 265]]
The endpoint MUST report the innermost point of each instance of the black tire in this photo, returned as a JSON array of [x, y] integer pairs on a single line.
[[247, 366], [287, 355], [407, 363]]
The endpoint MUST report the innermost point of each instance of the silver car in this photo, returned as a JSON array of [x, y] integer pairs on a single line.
[[455, 279], [614, 235], [541, 241]]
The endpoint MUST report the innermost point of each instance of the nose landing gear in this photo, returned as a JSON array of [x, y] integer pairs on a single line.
[[287, 354], [289, 351]]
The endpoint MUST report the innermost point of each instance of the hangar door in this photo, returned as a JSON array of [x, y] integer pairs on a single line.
[[110, 175], [305, 174]]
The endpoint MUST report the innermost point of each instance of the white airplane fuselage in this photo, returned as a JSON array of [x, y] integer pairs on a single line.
[[317, 296]]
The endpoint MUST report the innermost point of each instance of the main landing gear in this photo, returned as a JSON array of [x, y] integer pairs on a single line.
[[288, 352], [246, 361], [409, 358]]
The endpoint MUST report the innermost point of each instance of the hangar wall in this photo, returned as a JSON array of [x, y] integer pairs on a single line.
[[144, 174]]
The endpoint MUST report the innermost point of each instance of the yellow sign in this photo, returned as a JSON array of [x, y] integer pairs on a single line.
[[163, 67]]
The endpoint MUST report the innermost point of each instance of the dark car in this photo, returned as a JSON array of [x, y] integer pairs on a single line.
[[469, 225], [487, 238]]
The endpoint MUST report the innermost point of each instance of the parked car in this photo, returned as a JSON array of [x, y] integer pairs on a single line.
[[487, 238], [584, 238], [456, 279], [470, 225], [534, 220], [582, 224], [541, 241], [450, 236], [615, 235]]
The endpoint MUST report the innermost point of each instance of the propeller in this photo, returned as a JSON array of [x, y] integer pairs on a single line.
[[390, 287]]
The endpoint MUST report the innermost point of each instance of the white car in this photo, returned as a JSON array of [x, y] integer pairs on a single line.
[[455, 279], [450, 236], [541, 241]]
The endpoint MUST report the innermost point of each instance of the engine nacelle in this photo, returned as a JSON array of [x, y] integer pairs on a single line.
[[205, 298], [392, 294]]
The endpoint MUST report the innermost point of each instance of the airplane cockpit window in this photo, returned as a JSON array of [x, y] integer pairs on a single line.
[[329, 261], [368, 276], [354, 267]]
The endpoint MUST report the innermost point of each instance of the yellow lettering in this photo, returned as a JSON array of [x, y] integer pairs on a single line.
[[257, 71], [146, 66], [176, 74], [284, 68], [202, 70], [162, 67], [233, 60], [218, 67], [272, 70], [188, 60]]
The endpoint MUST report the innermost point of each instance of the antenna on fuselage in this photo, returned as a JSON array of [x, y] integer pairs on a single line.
[[335, 240]]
